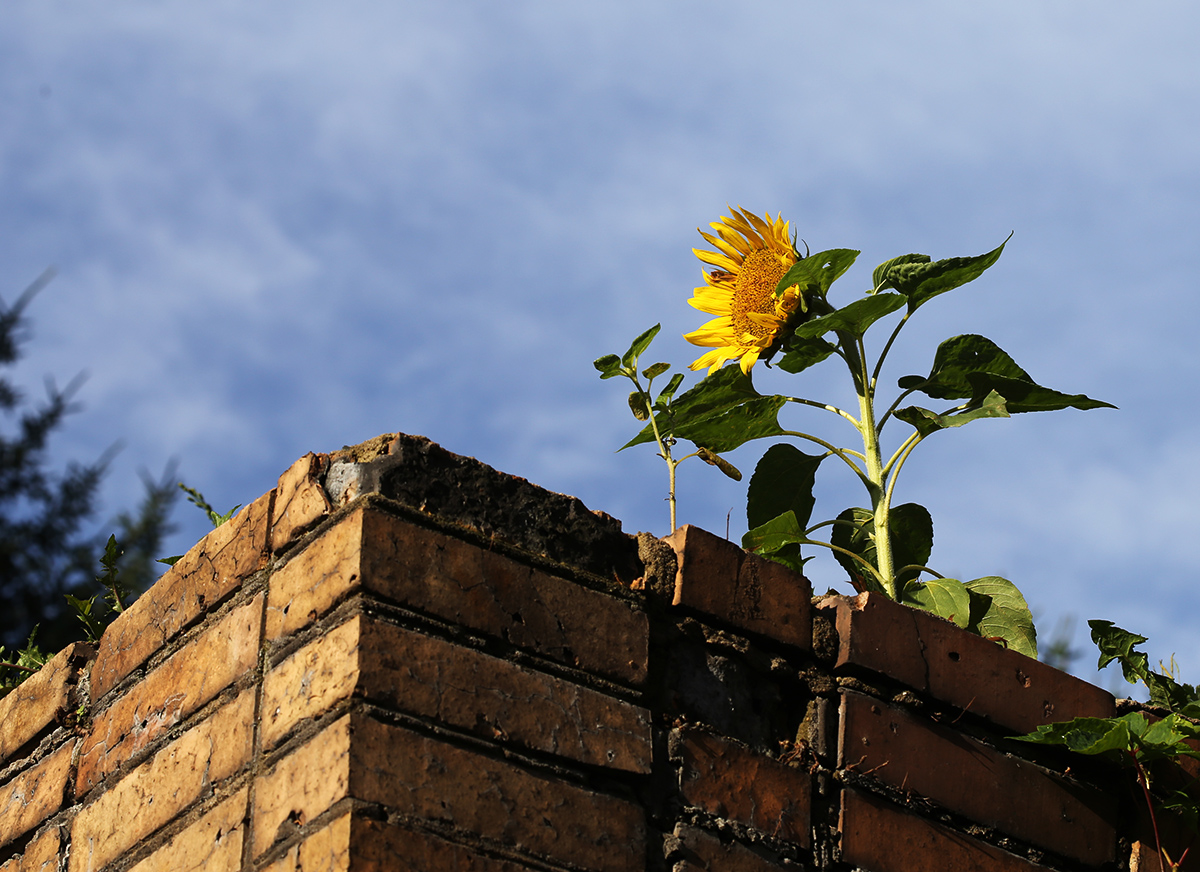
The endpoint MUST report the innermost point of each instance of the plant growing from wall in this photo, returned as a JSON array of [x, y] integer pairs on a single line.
[[773, 303], [1140, 743]]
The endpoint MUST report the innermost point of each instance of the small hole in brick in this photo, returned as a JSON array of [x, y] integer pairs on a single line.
[[954, 656], [518, 618]]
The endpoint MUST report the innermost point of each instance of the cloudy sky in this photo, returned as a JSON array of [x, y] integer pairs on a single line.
[[284, 227]]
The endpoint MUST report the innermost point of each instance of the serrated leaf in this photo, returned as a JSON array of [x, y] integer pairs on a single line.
[[778, 539], [1117, 644], [801, 352], [921, 281], [1089, 736], [853, 318], [879, 277], [720, 413], [629, 359], [911, 530], [609, 365], [1004, 614], [782, 482], [946, 597], [818, 271], [972, 366], [653, 372]]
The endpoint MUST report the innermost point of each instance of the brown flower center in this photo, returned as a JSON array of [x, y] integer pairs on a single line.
[[754, 291]]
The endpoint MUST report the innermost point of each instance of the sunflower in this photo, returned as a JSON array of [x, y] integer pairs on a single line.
[[752, 255]]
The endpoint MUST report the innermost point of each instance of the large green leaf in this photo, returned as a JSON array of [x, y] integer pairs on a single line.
[[971, 367], [920, 281], [818, 271], [782, 482], [853, 318], [1092, 736], [801, 352], [946, 597], [720, 413], [880, 275], [999, 611], [779, 539], [854, 530]]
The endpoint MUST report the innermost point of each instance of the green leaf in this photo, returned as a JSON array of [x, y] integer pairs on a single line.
[[778, 539], [801, 352], [667, 393], [653, 372], [170, 561], [921, 281], [999, 611], [818, 271], [946, 597], [911, 530], [1090, 736], [853, 318], [972, 366], [880, 275], [609, 366], [926, 421], [721, 412], [629, 360], [782, 482], [637, 405], [1117, 644]]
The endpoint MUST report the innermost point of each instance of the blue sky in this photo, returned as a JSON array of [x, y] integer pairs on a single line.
[[288, 227]]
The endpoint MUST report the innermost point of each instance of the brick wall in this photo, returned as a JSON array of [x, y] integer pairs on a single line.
[[402, 659]]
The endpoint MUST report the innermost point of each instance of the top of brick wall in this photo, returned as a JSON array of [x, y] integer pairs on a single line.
[[417, 472]]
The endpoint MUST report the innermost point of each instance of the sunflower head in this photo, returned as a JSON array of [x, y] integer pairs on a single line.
[[752, 255]]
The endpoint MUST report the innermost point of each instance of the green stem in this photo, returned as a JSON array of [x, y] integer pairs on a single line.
[[866, 563], [844, 453], [875, 472], [824, 406]]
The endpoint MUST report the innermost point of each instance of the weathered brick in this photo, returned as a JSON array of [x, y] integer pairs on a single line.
[[39, 699], [420, 777], [35, 794], [154, 793], [352, 842], [458, 686], [300, 502], [459, 582], [213, 843], [965, 776], [718, 578], [326, 850], [187, 680], [884, 838], [733, 782], [934, 656], [698, 850], [40, 855], [213, 568]]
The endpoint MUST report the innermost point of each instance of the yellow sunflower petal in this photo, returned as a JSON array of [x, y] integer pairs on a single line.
[[720, 260], [722, 245]]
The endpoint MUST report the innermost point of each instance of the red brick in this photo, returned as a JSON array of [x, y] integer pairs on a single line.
[[35, 794], [885, 838], [40, 699], [718, 578], [965, 776], [212, 843], [212, 569], [187, 680], [419, 777], [300, 502], [934, 656], [733, 782], [462, 583], [156, 792], [40, 855], [459, 686], [699, 850]]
